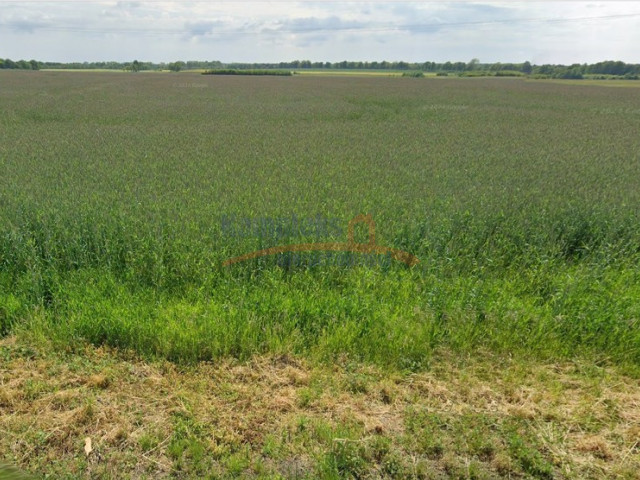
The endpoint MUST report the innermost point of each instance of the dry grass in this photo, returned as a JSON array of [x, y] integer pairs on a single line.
[[281, 416]]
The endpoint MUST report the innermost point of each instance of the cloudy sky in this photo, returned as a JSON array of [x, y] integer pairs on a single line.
[[272, 31]]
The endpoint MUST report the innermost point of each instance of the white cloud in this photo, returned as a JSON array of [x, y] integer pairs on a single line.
[[543, 32]]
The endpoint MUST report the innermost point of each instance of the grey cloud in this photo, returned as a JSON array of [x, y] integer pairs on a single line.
[[450, 11], [135, 10], [129, 5], [315, 24], [312, 40], [25, 25], [432, 18], [201, 28], [311, 31], [402, 17]]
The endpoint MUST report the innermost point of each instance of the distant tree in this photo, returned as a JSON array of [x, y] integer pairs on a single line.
[[135, 66], [473, 64], [545, 69], [572, 72], [526, 67], [176, 66]]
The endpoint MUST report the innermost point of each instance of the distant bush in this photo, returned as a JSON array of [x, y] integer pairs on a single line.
[[509, 73], [413, 74], [442, 74], [571, 74], [484, 73], [626, 76], [475, 73], [237, 71]]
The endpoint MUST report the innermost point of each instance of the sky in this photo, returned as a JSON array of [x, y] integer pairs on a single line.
[[273, 31]]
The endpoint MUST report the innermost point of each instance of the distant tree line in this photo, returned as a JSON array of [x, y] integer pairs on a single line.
[[132, 66], [606, 69], [610, 67], [597, 70], [20, 64]]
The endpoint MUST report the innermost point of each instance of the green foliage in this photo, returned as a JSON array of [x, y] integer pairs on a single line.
[[508, 73], [570, 73], [135, 66], [176, 66], [237, 71], [530, 459], [475, 73], [617, 69], [413, 74], [486, 73], [20, 64], [9, 472], [11, 309]]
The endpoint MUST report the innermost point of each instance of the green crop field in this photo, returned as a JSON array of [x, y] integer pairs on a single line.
[[521, 200]]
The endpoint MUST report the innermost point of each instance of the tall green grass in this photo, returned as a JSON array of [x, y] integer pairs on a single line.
[[520, 200]]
